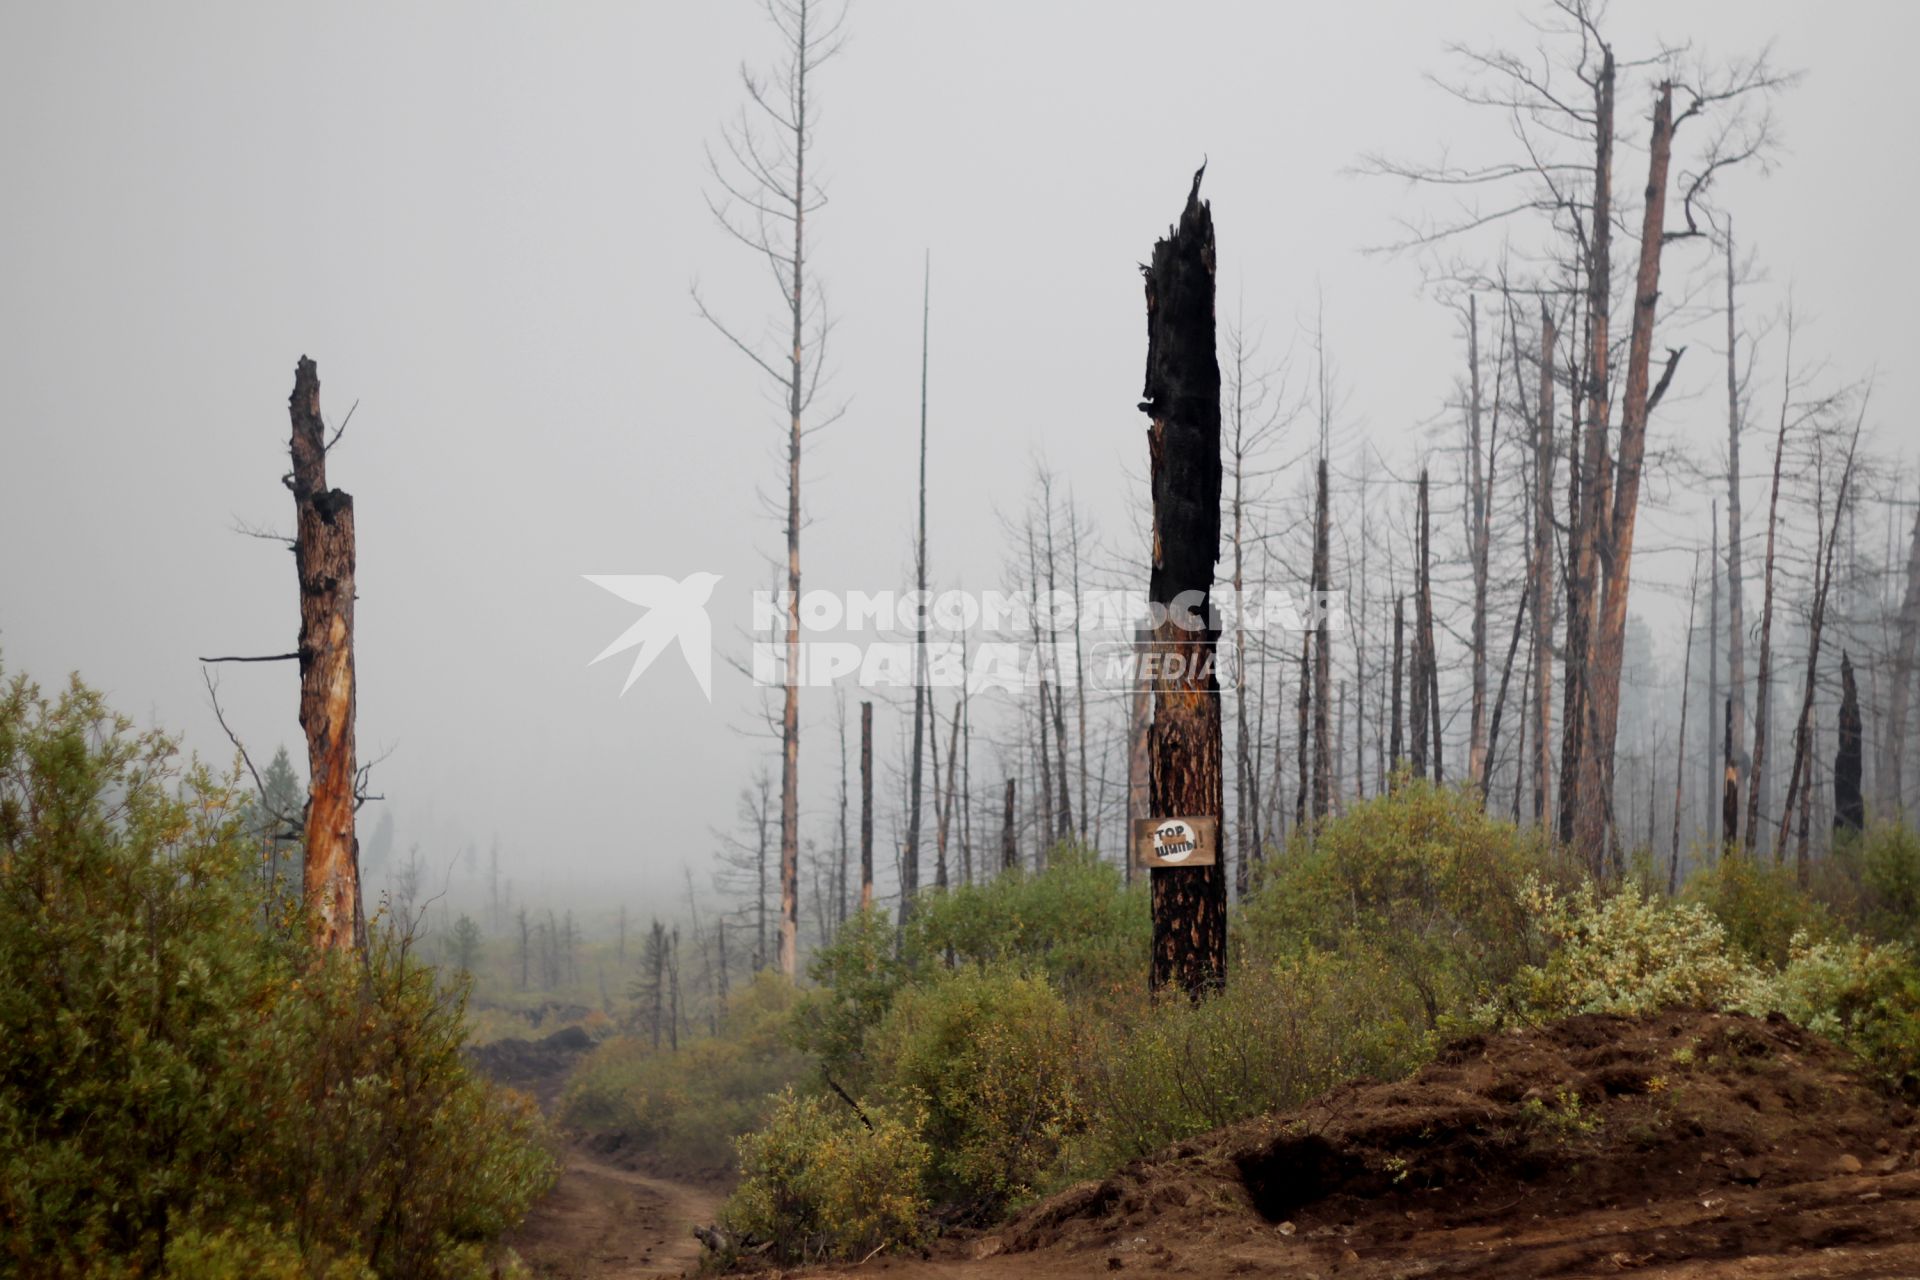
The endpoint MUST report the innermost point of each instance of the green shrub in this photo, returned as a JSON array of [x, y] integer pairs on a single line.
[[689, 1106], [236, 1253], [1761, 906], [181, 1087], [1890, 880], [1625, 953], [986, 1056], [1421, 880], [1861, 994], [1077, 922], [855, 980], [1280, 1034], [818, 1182]]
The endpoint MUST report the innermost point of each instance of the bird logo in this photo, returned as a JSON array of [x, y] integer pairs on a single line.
[[675, 610]]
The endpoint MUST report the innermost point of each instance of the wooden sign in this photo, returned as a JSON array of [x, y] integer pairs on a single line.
[[1175, 842]]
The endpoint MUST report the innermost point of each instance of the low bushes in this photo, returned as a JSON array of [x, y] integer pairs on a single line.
[[185, 1092], [818, 1181], [1629, 953], [985, 1055], [1002, 1044], [688, 1107], [1280, 1033], [1418, 887]]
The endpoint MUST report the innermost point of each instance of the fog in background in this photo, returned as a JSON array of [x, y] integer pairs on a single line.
[[482, 221]]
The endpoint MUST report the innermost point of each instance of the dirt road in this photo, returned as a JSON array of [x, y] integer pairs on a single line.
[[605, 1223]]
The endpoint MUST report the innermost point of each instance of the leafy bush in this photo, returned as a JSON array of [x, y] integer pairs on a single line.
[[1761, 907], [1420, 880], [1890, 880], [986, 1056], [1077, 922], [1626, 953], [1279, 1034], [689, 1106], [819, 1182], [1862, 994], [855, 980], [180, 1087]]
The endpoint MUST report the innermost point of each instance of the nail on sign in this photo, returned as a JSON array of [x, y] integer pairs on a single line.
[[1175, 842]]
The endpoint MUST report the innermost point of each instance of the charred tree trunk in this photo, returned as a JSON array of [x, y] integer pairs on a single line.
[[1182, 397], [1543, 578], [866, 805], [1800, 777], [1396, 745], [1303, 741], [1729, 791], [1849, 806], [1009, 844], [1491, 755], [1426, 675], [324, 559], [1323, 748], [944, 809]]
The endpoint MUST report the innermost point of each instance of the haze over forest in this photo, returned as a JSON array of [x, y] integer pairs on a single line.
[[485, 230]]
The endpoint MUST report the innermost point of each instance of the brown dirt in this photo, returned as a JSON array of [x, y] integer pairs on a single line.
[[602, 1222], [1683, 1145]]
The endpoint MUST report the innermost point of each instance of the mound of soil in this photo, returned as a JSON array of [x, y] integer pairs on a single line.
[[1672, 1143]]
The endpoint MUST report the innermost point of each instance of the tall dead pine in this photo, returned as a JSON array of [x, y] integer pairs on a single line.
[[324, 560], [1182, 397]]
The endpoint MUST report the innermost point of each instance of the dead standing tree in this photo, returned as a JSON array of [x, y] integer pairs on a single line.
[[1561, 110], [767, 197], [1182, 397], [324, 557]]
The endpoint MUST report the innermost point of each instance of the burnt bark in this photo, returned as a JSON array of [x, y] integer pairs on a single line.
[[1543, 578], [1849, 806], [866, 805], [1009, 844], [1323, 748], [1729, 790], [1396, 716], [324, 560], [1182, 398]]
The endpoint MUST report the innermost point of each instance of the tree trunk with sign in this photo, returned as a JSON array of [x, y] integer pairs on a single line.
[[1182, 398]]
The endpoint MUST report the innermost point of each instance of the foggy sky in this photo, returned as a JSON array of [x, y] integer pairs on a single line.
[[482, 221]]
